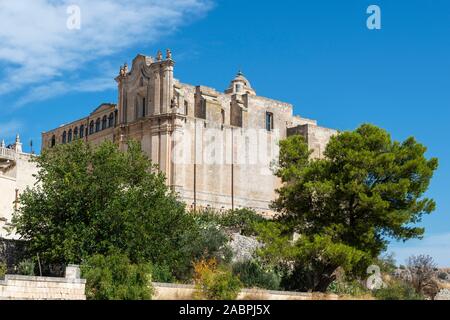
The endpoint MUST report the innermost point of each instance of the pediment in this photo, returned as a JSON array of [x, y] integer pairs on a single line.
[[104, 107]]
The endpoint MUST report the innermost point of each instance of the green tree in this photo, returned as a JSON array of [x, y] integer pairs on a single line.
[[344, 207], [91, 200]]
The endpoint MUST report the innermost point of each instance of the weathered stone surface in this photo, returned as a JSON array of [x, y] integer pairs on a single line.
[[216, 148], [243, 248], [18, 287]]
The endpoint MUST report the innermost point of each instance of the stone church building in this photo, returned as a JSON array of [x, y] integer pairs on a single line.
[[16, 174], [216, 148]]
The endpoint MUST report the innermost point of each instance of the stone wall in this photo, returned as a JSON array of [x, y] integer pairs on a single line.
[[15, 287], [167, 291]]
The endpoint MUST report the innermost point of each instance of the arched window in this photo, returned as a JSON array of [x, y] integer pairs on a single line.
[[223, 116], [64, 137], [82, 131], [104, 122], [75, 133], [97, 125], [111, 120], [69, 136], [186, 108], [91, 127], [53, 143]]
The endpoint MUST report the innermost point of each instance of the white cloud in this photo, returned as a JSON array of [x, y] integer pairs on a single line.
[[437, 246], [38, 48]]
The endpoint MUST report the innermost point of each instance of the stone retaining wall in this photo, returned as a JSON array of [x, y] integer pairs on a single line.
[[168, 291], [15, 287]]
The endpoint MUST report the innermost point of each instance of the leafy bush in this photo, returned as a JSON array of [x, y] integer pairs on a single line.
[[113, 277], [397, 290], [215, 283], [3, 270], [242, 219], [253, 275], [26, 267], [386, 263], [350, 287], [162, 274]]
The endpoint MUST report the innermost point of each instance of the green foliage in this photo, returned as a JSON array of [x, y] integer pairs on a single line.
[[211, 240], [26, 267], [114, 277], [397, 290], [346, 205], [91, 199], [243, 220], [215, 282], [386, 263], [253, 275], [342, 287], [3, 270], [309, 263], [239, 220], [162, 274]]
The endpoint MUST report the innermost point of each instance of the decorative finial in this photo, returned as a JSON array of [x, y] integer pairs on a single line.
[[3, 145], [125, 68], [159, 55], [168, 54], [240, 73], [17, 138]]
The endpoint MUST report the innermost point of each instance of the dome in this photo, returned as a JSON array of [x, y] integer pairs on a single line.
[[240, 85]]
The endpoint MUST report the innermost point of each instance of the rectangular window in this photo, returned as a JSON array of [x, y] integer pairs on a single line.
[[269, 121], [144, 107]]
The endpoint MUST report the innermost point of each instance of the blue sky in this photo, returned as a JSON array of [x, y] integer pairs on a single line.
[[318, 55]]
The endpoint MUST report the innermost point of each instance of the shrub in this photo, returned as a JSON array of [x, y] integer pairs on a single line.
[[215, 283], [422, 272], [240, 220], [26, 267], [113, 277], [347, 287], [243, 220], [162, 274], [397, 290], [253, 275], [3, 270]]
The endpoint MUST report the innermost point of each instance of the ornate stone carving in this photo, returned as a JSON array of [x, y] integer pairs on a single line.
[[159, 55]]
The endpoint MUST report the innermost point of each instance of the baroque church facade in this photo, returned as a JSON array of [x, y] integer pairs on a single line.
[[217, 149]]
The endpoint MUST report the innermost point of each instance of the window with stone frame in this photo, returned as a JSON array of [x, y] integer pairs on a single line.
[[269, 121], [91, 127], [82, 131], [111, 120]]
